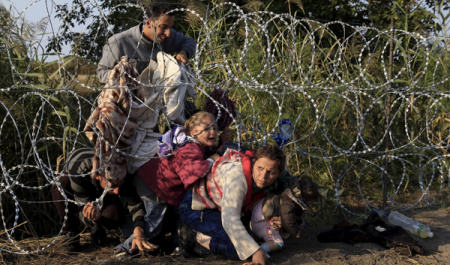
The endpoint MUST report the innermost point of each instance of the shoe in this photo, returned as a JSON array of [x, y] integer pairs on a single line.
[[71, 242], [201, 251], [187, 241], [123, 255], [167, 244], [119, 252], [98, 235]]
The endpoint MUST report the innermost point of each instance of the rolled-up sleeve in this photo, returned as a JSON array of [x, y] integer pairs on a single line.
[[178, 42], [109, 59]]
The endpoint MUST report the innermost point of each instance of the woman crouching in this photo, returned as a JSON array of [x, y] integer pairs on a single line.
[[211, 212]]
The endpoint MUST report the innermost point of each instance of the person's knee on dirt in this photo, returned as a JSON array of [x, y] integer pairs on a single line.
[[294, 202], [110, 214], [107, 217]]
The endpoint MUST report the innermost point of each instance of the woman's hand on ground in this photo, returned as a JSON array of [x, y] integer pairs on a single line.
[[140, 242]]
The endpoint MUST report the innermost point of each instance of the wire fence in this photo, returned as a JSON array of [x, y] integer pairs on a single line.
[[368, 109]]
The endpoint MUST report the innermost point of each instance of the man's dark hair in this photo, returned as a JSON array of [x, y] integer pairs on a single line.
[[156, 9]]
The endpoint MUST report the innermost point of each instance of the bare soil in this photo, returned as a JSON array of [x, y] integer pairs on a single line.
[[306, 250]]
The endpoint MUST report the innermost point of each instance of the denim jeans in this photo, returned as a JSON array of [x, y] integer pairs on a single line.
[[153, 223], [208, 222], [155, 210]]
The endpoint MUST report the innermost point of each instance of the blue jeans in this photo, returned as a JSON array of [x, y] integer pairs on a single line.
[[155, 210], [208, 222], [153, 223]]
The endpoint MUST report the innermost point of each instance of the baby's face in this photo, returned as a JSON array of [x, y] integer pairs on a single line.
[[309, 202]]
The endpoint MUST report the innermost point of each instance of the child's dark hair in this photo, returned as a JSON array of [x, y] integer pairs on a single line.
[[309, 190]]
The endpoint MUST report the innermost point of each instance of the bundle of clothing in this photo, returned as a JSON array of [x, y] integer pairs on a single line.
[[375, 230], [122, 125]]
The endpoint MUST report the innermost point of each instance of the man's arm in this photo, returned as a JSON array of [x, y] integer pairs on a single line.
[[109, 60], [84, 192], [137, 211], [134, 203], [177, 42], [182, 57]]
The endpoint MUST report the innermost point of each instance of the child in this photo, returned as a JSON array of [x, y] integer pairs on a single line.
[[289, 207], [171, 176]]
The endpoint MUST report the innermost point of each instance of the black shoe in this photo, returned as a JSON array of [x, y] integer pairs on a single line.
[[98, 235], [166, 244], [187, 240], [71, 242], [189, 247], [201, 251]]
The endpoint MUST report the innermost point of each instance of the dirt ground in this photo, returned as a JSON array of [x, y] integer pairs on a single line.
[[306, 250]]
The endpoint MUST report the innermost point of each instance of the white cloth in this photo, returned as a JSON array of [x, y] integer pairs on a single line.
[[165, 86]]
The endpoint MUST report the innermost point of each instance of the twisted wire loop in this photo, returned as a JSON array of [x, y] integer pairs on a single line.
[[329, 78]]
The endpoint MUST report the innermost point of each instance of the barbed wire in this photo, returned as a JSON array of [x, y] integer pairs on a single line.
[[331, 79]]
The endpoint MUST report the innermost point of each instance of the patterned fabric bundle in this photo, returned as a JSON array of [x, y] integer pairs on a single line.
[[109, 127], [122, 125]]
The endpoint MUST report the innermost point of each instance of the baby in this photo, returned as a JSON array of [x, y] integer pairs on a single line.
[[288, 207]]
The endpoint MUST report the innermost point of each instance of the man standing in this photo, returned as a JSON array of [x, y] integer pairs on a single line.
[[145, 40]]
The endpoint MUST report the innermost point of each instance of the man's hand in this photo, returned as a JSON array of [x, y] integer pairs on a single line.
[[258, 258], [182, 57], [140, 242], [114, 75], [91, 212]]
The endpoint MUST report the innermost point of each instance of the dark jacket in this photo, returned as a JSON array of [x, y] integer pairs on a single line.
[[78, 168]]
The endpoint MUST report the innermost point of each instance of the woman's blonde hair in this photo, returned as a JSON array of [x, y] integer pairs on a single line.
[[196, 120]]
